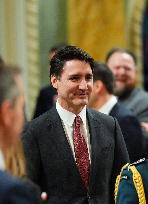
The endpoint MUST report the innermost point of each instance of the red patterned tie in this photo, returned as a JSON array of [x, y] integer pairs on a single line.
[[81, 153]]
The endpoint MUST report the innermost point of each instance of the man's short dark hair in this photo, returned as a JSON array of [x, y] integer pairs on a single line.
[[8, 86], [121, 50], [66, 54], [104, 74]]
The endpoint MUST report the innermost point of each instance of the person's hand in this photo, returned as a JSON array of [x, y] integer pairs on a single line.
[[44, 196], [144, 126]]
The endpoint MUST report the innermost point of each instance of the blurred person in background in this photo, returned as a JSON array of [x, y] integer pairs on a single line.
[[13, 190], [122, 63], [48, 94], [102, 99]]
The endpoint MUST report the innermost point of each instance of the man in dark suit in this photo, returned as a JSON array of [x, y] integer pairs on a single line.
[[103, 100], [122, 63], [12, 190], [74, 153]]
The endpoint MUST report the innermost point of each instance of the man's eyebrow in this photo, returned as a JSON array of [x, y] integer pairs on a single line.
[[91, 75], [71, 75]]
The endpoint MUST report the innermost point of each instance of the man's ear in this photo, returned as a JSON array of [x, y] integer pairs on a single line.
[[6, 111], [98, 85], [54, 81]]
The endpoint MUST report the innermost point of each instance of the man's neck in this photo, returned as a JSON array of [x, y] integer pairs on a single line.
[[75, 109], [102, 99]]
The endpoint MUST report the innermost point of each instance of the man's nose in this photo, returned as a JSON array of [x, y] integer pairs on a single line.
[[83, 84], [122, 70]]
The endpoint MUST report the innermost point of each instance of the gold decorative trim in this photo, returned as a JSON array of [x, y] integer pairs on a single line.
[[137, 180], [118, 182], [32, 26], [134, 37]]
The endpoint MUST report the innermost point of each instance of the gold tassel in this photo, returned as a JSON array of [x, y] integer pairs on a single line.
[[138, 183]]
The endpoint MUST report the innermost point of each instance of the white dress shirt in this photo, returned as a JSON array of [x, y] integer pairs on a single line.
[[107, 107], [2, 161], [68, 125]]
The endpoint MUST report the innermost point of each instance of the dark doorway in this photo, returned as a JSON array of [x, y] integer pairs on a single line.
[[145, 47]]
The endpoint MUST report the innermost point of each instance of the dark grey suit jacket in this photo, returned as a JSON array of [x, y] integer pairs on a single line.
[[52, 166], [137, 102], [14, 191]]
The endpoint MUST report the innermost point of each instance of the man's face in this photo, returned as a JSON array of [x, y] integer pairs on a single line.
[[74, 85], [123, 67]]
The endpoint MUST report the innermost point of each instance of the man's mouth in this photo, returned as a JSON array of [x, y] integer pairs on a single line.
[[83, 95], [121, 80]]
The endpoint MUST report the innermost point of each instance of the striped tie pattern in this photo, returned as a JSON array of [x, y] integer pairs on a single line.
[[81, 153]]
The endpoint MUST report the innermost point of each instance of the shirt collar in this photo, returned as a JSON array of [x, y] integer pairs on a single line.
[[68, 117], [106, 108]]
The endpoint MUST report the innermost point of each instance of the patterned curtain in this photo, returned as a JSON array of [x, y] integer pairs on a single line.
[[134, 34], [32, 32], [96, 25]]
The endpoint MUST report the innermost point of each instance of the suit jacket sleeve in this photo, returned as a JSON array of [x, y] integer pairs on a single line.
[[131, 127], [14, 191], [121, 156], [32, 154], [20, 194]]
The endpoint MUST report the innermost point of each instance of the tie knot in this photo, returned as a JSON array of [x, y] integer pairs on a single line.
[[77, 120]]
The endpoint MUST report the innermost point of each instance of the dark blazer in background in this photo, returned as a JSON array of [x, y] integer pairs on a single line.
[[137, 102], [15, 191], [46, 99], [131, 131], [52, 166]]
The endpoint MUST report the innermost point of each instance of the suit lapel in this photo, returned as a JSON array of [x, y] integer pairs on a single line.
[[55, 124], [94, 128], [58, 136], [114, 110], [100, 145], [98, 140]]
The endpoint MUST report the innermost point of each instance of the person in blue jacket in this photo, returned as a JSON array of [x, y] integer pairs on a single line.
[[12, 189], [132, 183]]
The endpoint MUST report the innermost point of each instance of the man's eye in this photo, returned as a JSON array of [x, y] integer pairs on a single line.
[[128, 69], [89, 78], [74, 78]]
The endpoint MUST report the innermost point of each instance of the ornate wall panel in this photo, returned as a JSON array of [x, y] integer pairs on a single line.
[[134, 34], [96, 26], [32, 31]]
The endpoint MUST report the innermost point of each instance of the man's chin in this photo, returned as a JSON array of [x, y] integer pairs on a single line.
[[119, 92], [123, 93], [81, 102]]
